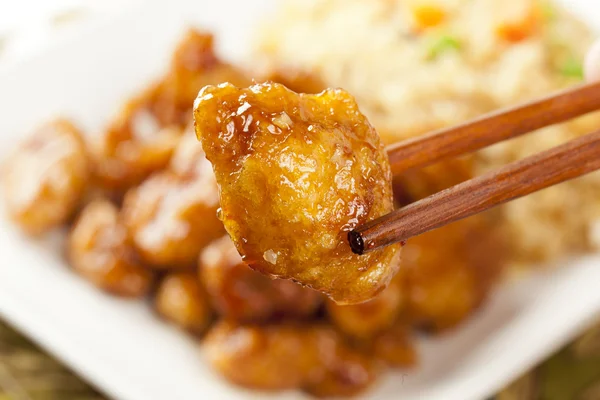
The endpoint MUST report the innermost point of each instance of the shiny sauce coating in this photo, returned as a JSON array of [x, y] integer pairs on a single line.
[[296, 173]]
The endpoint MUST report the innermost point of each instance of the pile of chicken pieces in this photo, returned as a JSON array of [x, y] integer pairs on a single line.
[[142, 205]]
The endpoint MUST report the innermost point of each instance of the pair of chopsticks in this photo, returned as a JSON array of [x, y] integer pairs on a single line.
[[570, 160]]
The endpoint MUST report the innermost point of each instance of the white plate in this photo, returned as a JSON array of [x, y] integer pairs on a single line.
[[122, 348]]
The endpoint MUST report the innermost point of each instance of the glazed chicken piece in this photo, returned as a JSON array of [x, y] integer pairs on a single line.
[[348, 372], [445, 276], [296, 173], [134, 146], [419, 183], [143, 137], [448, 272], [267, 357], [394, 347], [294, 79], [189, 160], [366, 320], [98, 250], [376, 326], [172, 215], [237, 292], [45, 178], [193, 66], [181, 299], [288, 356], [171, 218]]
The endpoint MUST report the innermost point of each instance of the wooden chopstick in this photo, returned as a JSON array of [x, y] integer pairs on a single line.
[[494, 128], [570, 160]]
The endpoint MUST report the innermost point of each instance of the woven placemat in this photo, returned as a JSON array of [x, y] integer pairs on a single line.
[[571, 374], [28, 373]]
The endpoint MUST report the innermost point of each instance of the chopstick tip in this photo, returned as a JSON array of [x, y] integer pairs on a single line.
[[356, 242]]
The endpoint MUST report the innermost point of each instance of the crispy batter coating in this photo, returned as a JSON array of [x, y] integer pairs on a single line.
[[449, 271], [171, 218], [238, 292], [181, 299], [99, 251], [45, 178], [367, 319], [296, 173], [288, 356], [142, 138]]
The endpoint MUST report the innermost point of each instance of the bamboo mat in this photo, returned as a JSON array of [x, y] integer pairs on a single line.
[[28, 373], [571, 374]]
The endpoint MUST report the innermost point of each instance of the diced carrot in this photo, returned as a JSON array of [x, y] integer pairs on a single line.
[[428, 15], [517, 26]]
